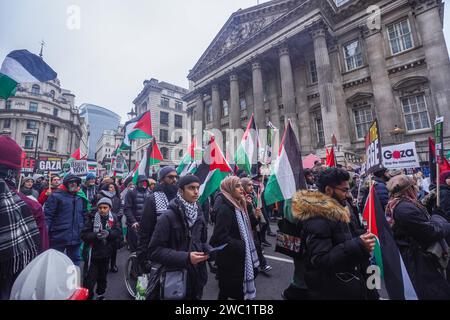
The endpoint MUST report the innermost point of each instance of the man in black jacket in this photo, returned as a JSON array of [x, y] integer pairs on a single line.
[[187, 249], [134, 209], [154, 206], [381, 178]]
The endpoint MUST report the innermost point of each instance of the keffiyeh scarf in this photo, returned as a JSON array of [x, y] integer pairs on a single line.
[[19, 233], [162, 203], [251, 256], [191, 210]]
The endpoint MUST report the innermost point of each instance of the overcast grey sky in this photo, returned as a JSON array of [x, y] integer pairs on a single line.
[[119, 43]]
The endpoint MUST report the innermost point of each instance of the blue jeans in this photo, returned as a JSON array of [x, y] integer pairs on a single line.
[[73, 252]]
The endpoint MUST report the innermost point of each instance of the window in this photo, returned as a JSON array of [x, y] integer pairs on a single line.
[[33, 107], [35, 90], [416, 113], [29, 142], [52, 94], [178, 121], [6, 123], [164, 118], [55, 112], [242, 103], [363, 120], [178, 105], [165, 153], [165, 102], [313, 71], [51, 144], [319, 128], [225, 109], [31, 124], [52, 128], [164, 135], [8, 105], [353, 55], [400, 36], [209, 112], [170, 93], [341, 2]]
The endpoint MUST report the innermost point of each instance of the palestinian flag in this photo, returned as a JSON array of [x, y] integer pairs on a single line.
[[287, 175], [21, 66], [387, 255], [187, 165], [76, 156], [212, 171], [443, 166], [152, 157], [138, 128], [247, 153]]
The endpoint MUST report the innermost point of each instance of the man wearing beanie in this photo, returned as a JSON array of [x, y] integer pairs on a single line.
[[90, 188], [173, 250], [64, 215], [101, 231], [155, 205], [16, 249], [134, 209]]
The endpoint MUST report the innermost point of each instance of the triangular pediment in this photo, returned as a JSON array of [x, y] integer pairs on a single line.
[[242, 26]]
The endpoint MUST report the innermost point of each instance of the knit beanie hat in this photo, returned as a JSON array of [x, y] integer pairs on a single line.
[[187, 180], [11, 153], [165, 171], [104, 201]]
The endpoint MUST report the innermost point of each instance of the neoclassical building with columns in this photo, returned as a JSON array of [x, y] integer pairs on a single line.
[[331, 66]]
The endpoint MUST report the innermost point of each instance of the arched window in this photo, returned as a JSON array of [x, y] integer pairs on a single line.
[[165, 153], [35, 90]]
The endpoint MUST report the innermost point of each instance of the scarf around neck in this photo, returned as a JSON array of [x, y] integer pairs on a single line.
[[227, 188], [409, 195], [191, 210]]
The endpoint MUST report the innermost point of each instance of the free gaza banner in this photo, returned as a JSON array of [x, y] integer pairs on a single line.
[[402, 156]]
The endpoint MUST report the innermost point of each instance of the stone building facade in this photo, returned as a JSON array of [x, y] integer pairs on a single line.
[[169, 119], [48, 110], [107, 146], [331, 67]]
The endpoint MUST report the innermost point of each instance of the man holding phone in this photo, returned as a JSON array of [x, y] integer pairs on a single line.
[[180, 238]]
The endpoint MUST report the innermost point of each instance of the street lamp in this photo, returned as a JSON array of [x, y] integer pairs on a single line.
[[36, 151]]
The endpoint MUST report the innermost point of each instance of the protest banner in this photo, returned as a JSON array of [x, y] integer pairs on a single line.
[[79, 168], [402, 156], [47, 165], [374, 158]]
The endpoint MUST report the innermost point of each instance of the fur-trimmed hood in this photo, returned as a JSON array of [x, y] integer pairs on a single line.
[[311, 204]]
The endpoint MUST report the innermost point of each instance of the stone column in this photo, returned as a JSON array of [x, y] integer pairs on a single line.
[[199, 123], [341, 106], [235, 110], [287, 88], [318, 32], [258, 96], [217, 107], [304, 122], [436, 54], [387, 114]]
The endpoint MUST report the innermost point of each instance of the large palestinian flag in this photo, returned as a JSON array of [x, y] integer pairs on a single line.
[[138, 128], [247, 153], [21, 66], [287, 175], [152, 157], [387, 255], [212, 171], [187, 164]]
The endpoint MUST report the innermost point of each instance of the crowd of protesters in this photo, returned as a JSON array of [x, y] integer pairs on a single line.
[[161, 220]]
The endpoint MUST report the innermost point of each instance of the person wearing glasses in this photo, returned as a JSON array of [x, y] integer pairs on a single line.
[[156, 204], [335, 259]]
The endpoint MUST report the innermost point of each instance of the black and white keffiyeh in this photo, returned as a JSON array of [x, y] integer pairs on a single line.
[[191, 210], [19, 233], [162, 203], [251, 256]]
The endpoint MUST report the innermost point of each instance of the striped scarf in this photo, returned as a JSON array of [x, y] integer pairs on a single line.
[[19, 233], [251, 256]]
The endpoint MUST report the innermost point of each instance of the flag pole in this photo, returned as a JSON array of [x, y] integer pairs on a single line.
[[370, 203], [129, 156], [438, 184]]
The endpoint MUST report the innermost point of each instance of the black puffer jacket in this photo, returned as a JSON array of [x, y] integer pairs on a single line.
[[169, 245], [100, 249], [335, 259], [134, 203], [445, 201], [382, 191], [415, 231]]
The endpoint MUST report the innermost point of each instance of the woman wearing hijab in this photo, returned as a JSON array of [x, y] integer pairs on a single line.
[[180, 239], [415, 232], [238, 262]]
